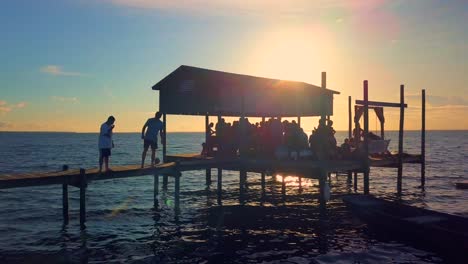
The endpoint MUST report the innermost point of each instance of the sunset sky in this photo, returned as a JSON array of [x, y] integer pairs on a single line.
[[68, 64]]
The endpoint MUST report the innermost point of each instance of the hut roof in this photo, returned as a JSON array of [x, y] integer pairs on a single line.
[[196, 91]]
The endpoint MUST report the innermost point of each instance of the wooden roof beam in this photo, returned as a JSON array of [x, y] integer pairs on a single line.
[[380, 104]]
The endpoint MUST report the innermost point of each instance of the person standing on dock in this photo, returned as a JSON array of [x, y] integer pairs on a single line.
[[105, 143], [152, 127]]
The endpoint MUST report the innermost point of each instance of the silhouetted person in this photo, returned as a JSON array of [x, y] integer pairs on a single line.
[[153, 126], [105, 143]]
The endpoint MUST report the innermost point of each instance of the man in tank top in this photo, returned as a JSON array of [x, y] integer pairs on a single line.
[[153, 126]]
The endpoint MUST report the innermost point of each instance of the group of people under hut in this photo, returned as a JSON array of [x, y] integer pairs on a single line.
[[274, 138]]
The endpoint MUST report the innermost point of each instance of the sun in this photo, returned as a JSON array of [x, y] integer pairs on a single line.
[[289, 53]]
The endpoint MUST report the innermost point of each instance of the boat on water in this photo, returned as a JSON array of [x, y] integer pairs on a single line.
[[443, 233]]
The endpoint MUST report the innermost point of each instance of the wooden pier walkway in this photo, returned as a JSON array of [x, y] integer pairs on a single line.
[[81, 178]]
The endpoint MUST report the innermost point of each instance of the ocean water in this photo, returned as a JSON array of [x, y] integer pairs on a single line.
[[272, 227]]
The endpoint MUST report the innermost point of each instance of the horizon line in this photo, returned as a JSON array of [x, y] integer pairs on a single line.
[[95, 132]]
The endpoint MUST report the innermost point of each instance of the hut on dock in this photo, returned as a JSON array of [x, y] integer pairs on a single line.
[[196, 91]]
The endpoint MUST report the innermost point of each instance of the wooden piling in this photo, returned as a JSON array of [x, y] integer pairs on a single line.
[[177, 190], [156, 190], [350, 119], [242, 178], [400, 140], [350, 177], [65, 199], [355, 181], [299, 121], [322, 181], [83, 183], [165, 138], [423, 139], [220, 185], [366, 138], [207, 136], [165, 182]]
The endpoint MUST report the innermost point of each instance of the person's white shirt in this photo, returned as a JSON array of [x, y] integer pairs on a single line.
[[105, 137]]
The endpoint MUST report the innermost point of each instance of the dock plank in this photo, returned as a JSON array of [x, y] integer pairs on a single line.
[[73, 176]]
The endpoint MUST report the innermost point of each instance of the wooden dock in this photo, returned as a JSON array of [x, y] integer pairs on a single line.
[[176, 164]]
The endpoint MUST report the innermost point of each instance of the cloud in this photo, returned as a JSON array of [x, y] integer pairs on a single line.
[[57, 70], [269, 7], [64, 99], [5, 107], [436, 101]]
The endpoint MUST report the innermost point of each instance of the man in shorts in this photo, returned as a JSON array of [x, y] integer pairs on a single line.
[[153, 126], [105, 143]]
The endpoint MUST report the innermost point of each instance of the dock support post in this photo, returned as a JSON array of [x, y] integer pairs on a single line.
[[322, 181], [423, 139], [177, 191], [165, 182], [350, 121], [350, 177], [165, 138], [220, 185], [208, 176], [207, 138], [400, 139], [83, 184], [355, 181], [65, 199], [156, 190], [242, 177], [366, 138], [283, 186]]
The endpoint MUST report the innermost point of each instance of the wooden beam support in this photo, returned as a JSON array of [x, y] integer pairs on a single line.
[[177, 191], [165, 182], [65, 199], [381, 104], [423, 139], [322, 182], [83, 185], [220, 185], [207, 135], [350, 119], [366, 137], [165, 138], [400, 140], [156, 190]]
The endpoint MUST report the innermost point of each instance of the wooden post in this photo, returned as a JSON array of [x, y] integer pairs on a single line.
[[165, 138], [207, 136], [350, 119], [165, 182], [382, 126], [65, 199], [322, 98], [355, 181], [220, 185], [83, 183], [299, 121], [350, 177], [262, 179], [283, 186], [423, 139], [242, 177], [177, 190], [322, 181], [156, 190], [400, 139], [366, 138]]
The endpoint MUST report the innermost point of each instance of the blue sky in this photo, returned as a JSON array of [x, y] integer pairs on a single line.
[[70, 64]]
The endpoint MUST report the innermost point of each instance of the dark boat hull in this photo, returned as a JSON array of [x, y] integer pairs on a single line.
[[443, 233]]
